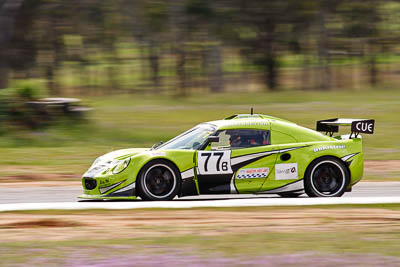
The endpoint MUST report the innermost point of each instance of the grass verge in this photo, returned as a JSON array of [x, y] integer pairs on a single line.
[[69, 147]]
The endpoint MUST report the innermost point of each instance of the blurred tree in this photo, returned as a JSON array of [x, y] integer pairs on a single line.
[[148, 22], [299, 39], [198, 39], [50, 27], [203, 28], [155, 25], [323, 40], [178, 38], [22, 53], [258, 35], [8, 11], [264, 31], [362, 20]]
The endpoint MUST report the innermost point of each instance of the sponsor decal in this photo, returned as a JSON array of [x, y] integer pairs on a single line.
[[329, 147], [249, 124], [365, 126], [104, 182], [187, 174], [252, 173], [160, 154], [287, 171]]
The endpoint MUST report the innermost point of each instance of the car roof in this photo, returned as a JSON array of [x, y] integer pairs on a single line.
[[247, 120], [260, 121]]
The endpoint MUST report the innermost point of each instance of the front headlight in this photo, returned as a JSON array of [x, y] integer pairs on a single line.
[[120, 165]]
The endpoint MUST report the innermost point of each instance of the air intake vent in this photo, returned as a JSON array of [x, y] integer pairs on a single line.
[[90, 184], [231, 117]]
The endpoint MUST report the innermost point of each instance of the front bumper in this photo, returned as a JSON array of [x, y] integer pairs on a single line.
[[118, 190]]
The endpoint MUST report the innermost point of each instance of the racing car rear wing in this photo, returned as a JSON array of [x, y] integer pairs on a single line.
[[331, 126]]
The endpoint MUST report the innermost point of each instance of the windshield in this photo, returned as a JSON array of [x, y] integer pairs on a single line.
[[191, 139]]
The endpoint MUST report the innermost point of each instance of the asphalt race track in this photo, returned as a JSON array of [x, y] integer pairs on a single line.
[[37, 194], [17, 198]]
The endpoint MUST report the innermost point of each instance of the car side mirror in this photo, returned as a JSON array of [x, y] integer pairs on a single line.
[[213, 139]]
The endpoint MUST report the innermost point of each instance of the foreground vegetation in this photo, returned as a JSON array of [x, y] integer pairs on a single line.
[[219, 237]]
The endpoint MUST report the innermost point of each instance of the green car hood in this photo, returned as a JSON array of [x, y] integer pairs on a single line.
[[121, 154]]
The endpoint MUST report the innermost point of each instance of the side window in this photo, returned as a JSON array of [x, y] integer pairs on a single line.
[[233, 139], [223, 142]]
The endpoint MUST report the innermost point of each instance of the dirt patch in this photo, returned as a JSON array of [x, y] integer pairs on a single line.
[[42, 184], [204, 222], [33, 178], [44, 223], [381, 167]]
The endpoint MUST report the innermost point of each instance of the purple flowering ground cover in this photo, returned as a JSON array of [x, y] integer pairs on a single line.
[[126, 254], [180, 259]]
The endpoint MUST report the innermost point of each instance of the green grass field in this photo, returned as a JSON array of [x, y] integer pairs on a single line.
[[122, 121]]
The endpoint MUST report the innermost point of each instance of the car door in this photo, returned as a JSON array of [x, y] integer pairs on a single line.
[[242, 168], [289, 167], [214, 171], [252, 167]]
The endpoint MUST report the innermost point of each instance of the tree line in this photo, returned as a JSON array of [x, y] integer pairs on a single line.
[[110, 46]]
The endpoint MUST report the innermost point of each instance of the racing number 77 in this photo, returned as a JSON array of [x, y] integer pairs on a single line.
[[208, 155]]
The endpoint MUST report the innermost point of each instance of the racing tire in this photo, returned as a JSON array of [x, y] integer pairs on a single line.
[[159, 180], [326, 177], [290, 194]]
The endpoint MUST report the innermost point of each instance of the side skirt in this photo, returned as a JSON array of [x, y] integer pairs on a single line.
[[296, 186]]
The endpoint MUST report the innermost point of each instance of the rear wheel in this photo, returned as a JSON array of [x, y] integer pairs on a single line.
[[159, 180], [326, 177]]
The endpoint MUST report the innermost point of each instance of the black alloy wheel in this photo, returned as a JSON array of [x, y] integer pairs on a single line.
[[159, 180], [326, 177]]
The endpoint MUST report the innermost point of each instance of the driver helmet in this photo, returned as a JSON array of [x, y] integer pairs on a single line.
[[235, 139]]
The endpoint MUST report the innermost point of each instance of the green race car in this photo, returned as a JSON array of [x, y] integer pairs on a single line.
[[242, 154]]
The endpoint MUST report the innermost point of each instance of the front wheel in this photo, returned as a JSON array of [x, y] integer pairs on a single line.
[[159, 180], [326, 177]]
